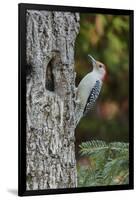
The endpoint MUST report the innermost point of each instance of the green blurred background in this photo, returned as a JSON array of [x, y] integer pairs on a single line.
[[106, 38]]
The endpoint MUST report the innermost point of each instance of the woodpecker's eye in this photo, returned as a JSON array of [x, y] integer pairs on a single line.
[[100, 66]]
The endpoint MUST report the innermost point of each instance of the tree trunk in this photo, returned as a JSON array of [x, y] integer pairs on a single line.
[[50, 99]]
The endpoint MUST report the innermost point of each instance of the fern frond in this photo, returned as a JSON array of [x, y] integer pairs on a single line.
[[111, 163], [93, 146], [119, 146]]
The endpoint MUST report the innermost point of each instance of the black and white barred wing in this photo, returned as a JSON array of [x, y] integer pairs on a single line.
[[92, 97]]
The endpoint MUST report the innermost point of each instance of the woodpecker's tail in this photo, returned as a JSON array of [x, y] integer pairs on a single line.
[[78, 113]]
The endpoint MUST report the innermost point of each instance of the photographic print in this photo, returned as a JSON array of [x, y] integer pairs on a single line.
[[75, 99]]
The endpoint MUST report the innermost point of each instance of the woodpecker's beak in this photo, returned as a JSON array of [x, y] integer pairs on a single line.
[[92, 59]]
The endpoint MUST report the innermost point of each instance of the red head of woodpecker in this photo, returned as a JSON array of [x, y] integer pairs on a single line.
[[99, 67]]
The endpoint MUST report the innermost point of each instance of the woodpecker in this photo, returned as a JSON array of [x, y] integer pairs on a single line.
[[89, 88]]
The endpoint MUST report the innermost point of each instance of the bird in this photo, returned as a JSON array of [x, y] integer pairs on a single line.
[[89, 89]]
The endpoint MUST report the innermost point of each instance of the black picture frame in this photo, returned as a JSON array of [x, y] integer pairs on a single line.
[[22, 99]]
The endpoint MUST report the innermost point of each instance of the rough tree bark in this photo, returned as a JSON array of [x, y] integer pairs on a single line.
[[50, 99]]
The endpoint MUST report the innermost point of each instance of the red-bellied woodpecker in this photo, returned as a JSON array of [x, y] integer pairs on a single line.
[[89, 89]]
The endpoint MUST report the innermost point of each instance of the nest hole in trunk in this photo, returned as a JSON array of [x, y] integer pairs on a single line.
[[49, 76]]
